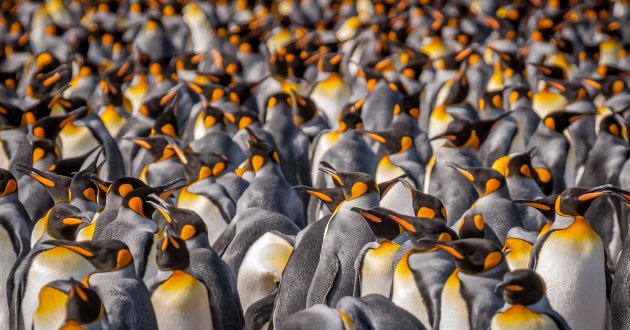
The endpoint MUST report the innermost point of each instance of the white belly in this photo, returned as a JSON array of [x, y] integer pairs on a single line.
[[405, 293], [325, 142], [54, 264], [7, 258], [4, 157], [182, 302], [576, 286], [76, 141], [376, 270], [209, 212], [262, 268], [520, 317], [454, 311], [51, 310]]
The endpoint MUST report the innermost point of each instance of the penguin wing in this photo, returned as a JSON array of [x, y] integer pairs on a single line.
[[323, 280], [223, 241], [16, 285], [357, 267], [259, 312]]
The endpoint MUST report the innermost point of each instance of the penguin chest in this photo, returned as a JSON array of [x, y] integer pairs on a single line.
[[112, 120], [376, 269], [405, 292], [521, 317], [51, 310], [453, 309], [207, 210], [182, 302], [330, 96], [38, 231], [570, 166], [54, 264], [262, 268], [324, 143], [7, 258], [519, 254], [571, 262], [547, 102], [397, 198], [86, 233], [76, 141]]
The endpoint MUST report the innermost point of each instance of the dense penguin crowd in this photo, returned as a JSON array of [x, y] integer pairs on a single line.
[[314, 164]]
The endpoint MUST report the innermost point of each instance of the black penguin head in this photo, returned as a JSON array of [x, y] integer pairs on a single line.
[[394, 141], [84, 306], [121, 186], [350, 117], [241, 91], [423, 232], [425, 205], [261, 153], [166, 124], [559, 121], [330, 62], [410, 105], [304, 110], [614, 125], [281, 102], [354, 184], [473, 255], [8, 184], [544, 204], [460, 133], [242, 119], [331, 197], [472, 225], [575, 201], [485, 180], [172, 253], [179, 222], [48, 128], [203, 165], [491, 100], [45, 149], [212, 116], [63, 221], [383, 228], [520, 165], [105, 255], [521, 287]]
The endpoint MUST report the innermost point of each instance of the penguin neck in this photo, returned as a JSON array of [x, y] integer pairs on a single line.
[[198, 241], [269, 168], [367, 201]]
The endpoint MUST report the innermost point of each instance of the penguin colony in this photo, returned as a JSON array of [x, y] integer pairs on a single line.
[[314, 164]]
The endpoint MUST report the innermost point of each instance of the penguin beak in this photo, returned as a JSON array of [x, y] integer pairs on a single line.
[[367, 214], [533, 204], [76, 247], [592, 83], [374, 136], [161, 206], [446, 135], [178, 151], [333, 175], [315, 193], [462, 171]]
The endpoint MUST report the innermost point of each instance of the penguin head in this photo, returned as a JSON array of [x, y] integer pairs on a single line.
[[410, 105], [491, 100], [559, 121], [106, 255], [608, 86], [166, 123], [82, 186], [544, 205], [330, 62], [63, 221], [304, 110], [8, 184], [203, 165], [172, 253], [354, 184], [45, 150], [241, 92], [136, 209], [57, 185], [485, 180], [212, 117], [261, 153], [242, 119], [521, 287], [613, 125], [350, 117], [84, 306], [394, 141], [473, 255], [331, 197], [183, 223], [575, 201], [463, 133], [49, 127], [383, 229], [472, 225], [424, 233], [120, 187], [278, 105], [425, 205]]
